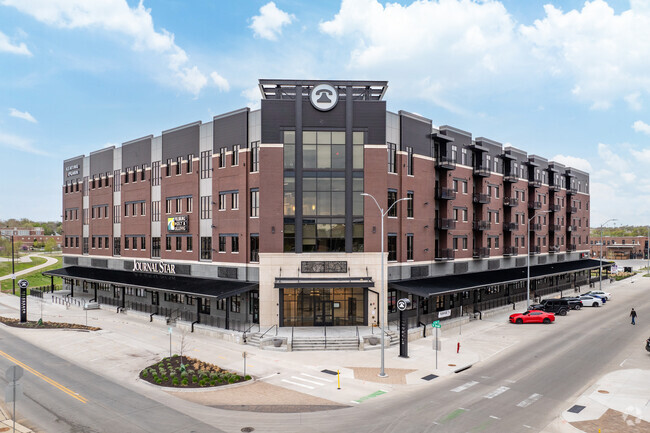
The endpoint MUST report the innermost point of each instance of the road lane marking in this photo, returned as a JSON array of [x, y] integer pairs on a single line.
[[494, 417], [621, 364], [464, 387], [527, 426], [317, 378], [307, 380], [52, 382], [530, 400], [298, 384], [369, 396], [496, 392], [452, 415]]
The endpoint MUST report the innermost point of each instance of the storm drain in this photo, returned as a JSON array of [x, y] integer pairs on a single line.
[[333, 373], [429, 377], [576, 409], [247, 429]]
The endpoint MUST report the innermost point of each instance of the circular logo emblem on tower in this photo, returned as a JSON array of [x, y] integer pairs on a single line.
[[324, 97]]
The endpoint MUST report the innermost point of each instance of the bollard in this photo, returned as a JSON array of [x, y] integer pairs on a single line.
[[338, 377], [458, 347]]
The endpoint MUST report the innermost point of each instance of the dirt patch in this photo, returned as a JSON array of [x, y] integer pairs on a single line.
[[259, 397], [46, 325], [190, 373], [396, 376], [614, 421]]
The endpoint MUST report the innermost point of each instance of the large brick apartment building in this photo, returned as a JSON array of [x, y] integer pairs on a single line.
[[257, 216], [619, 247]]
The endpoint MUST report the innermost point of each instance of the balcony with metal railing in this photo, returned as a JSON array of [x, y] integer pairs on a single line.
[[571, 228], [481, 225], [571, 247], [555, 207], [481, 198], [553, 249], [445, 224], [512, 178], [482, 171], [510, 251], [481, 253], [510, 201], [445, 254], [535, 205], [510, 227], [535, 183], [571, 191], [555, 227], [535, 249], [534, 227], [446, 162], [554, 188], [445, 193], [571, 209]]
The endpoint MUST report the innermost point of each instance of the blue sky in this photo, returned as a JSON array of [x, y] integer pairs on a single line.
[[567, 80]]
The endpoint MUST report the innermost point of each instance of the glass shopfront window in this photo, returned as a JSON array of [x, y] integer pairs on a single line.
[[324, 307]]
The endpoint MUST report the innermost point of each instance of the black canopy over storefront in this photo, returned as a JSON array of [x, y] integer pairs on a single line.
[[426, 287], [192, 286]]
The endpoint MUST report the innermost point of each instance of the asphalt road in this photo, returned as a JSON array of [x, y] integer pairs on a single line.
[[521, 389], [66, 398]]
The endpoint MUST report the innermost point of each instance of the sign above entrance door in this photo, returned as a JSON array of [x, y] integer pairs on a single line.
[[324, 97], [330, 267], [154, 267]]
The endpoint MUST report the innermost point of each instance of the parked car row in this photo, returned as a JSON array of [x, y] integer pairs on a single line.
[[545, 311]]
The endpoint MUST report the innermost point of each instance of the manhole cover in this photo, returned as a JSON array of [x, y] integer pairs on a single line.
[[429, 377], [602, 391], [451, 365], [247, 429], [576, 408]]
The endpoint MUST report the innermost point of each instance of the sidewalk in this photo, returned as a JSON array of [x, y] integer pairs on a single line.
[[49, 261]]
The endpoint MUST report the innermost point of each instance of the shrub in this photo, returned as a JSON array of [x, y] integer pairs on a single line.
[[160, 365], [158, 381], [165, 378], [248, 377], [184, 373], [184, 381], [220, 380], [175, 355], [213, 382], [145, 374], [214, 375], [237, 378], [231, 379], [175, 381], [191, 371], [195, 379]]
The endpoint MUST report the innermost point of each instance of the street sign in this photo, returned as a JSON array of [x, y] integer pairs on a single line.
[[436, 324], [13, 392], [403, 304], [23, 284], [444, 313], [14, 373]]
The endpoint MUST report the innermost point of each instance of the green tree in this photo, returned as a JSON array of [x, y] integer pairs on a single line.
[[50, 245]]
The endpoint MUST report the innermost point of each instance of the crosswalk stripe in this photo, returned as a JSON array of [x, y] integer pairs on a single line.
[[530, 400], [307, 380], [317, 378], [464, 387], [496, 392], [298, 384]]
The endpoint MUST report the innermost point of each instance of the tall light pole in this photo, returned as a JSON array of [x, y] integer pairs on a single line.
[[382, 310], [600, 273], [528, 261], [648, 249]]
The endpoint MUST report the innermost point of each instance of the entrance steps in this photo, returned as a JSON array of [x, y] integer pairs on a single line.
[[254, 339], [321, 343]]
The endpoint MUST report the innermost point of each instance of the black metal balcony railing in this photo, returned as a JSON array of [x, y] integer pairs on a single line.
[[482, 170], [556, 207], [571, 191], [554, 249], [511, 178], [571, 209], [554, 188], [510, 251], [510, 227], [446, 162], [481, 225], [446, 193], [481, 198], [535, 249], [445, 254], [510, 201], [536, 183], [534, 227], [571, 247], [555, 227], [535, 205], [481, 253], [445, 224], [571, 228]]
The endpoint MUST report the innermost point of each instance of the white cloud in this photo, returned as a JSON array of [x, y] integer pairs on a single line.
[[220, 81], [22, 115], [641, 155], [252, 95], [115, 16], [604, 53], [634, 101], [7, 47], [573, 161], [640, 126], [268, 25], [19, 143], [613, 160]]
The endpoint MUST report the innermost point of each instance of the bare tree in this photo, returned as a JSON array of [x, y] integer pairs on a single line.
[[184, 343]]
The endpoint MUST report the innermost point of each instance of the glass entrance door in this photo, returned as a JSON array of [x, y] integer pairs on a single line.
[[323, 313]]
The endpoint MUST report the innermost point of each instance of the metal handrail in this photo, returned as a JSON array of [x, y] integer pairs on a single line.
[[325, 332], [358, 341], [276, 331], [249, 328]]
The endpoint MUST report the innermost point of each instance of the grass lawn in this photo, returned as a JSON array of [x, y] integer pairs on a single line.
[[5, 267], [35, 278]]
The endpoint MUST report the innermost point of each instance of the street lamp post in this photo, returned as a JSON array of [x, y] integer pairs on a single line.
[[382, 310], [600, 273], [528, 262], [13, 271]]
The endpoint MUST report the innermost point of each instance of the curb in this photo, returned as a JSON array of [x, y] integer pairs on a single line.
[[193, 390]]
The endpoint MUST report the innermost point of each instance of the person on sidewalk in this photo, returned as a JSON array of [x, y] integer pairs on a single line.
[[633, 316]]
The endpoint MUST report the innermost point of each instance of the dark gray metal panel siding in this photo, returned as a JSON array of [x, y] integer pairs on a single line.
[[102, 162], [71, 261], [99, 263], [181, 142], [230, 130], [416, 134], [371, 115], [72, 162], [460, 140], [520, 262], [541, 260], [136, 153], [494, 264], [461, 268], [315, 119], [276, 116]]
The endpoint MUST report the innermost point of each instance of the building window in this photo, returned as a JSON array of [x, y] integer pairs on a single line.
[[206, 248], [179, 243], [126, 242], [206, 207], [190, 162], [116, 180], [206, 164], [179, 165], [392, 155], [116, 246], [235, 303], [234, 244], [392, 247], [255, 202], [155, 247], [222, 201], [409, 204], [188, 243], [168, 243], [235, 155], [168, 205], [155, 173], [143, 243], [143, 208], [189, 204], [409, 246], [179, 205], [155, 211], [234, 198], [143, 172], [409, 161], [222, 157], [255, 156], [222, 244], [255, 247], [392, 198]]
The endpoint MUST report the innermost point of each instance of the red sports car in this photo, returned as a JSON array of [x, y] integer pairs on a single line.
[[532, 316]]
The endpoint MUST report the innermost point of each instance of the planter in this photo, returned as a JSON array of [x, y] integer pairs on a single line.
[[277, 342], [373, 341]]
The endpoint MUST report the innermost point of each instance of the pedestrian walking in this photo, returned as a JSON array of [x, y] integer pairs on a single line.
[[633, 316]]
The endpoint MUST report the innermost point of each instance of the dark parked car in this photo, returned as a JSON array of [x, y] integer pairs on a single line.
[[557, 306], [574, 303]]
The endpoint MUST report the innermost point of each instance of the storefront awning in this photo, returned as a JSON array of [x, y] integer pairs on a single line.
[[206, 287], [323, 283], [426, 287]]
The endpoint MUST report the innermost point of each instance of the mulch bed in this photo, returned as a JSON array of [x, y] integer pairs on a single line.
[[191, 374], [45, 325]]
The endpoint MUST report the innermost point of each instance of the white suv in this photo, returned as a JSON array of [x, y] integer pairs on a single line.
[[605, 295], [590, 301]]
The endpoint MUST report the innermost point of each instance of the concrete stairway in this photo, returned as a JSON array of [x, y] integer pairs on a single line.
[[319, 343], [253, 339]]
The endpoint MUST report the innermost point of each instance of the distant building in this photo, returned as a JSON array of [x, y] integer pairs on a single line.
[[28, 235], [620, 247]]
